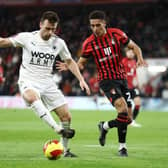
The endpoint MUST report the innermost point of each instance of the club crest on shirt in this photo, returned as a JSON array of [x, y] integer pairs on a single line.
[[54, 47]]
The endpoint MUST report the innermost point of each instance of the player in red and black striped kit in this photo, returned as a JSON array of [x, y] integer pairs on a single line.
[[105, 45], [132, 79]]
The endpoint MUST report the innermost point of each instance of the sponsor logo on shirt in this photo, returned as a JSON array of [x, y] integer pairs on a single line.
[[54, 48], [41, 58]]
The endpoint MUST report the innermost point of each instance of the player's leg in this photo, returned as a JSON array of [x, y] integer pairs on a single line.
[[137, 102], [129, 104], [65, 118], [104, 126], [114, 94], [122, 122], [32, 98], [55, 101], [107, 88], [130, 111], [124, 118], [119, 96]]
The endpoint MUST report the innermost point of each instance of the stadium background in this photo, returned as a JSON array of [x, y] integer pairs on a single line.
[[23, 135], [145, 21]]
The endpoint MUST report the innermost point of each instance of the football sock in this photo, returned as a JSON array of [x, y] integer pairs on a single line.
[[136, 111], [106, 125], [110, 124], [122, 145], [113, 123], [122, 119], [64, 141], [45, 115]]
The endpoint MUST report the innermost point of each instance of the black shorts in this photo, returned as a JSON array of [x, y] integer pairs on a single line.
[[134, 93], [114, 89]]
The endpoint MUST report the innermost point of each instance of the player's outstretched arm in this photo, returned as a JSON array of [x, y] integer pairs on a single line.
[[138, 52], [82, 62], [5, 42], [73, 67], [61, 66]]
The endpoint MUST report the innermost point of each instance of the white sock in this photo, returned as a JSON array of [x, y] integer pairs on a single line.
[[106, 126], [133, 122], [45, 115], [64, 141], [122, 145]]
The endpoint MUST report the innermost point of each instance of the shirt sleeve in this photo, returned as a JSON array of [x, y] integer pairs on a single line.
[[64, 53], [19, 39], [123, 38]]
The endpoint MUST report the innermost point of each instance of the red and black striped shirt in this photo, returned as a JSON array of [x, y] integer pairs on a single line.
[[106, 51]]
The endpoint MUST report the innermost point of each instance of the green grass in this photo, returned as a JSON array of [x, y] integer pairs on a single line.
[[22, 136]]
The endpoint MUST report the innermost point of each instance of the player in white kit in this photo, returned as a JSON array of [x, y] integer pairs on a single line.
[[36, 84]]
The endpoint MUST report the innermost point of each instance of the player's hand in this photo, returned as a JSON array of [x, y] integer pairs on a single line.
[[141, 62], [84, 86], [61, 66]]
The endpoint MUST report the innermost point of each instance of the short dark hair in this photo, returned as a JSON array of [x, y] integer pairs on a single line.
[[97, 14], [51, 16]]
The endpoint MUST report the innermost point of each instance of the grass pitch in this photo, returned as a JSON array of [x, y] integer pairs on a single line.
[[22, 136]]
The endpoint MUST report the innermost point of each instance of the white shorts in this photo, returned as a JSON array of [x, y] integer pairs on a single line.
[[50, 95]]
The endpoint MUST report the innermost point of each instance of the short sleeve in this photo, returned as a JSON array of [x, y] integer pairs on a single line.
[[19, 40], [64, 53], [123, 38]]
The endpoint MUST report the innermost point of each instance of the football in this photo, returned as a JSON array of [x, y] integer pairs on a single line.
[[53, 149]]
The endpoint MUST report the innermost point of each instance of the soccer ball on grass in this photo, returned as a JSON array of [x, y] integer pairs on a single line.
[[53, 149]]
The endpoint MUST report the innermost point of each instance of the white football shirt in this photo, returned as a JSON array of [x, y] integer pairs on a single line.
[[38, 55]]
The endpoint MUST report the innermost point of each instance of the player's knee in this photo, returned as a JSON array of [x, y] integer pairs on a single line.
[[31, 100], [122, 108], [30, 96], [121, 105]]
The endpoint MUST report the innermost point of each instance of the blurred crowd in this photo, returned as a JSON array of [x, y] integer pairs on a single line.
[[145, 23]]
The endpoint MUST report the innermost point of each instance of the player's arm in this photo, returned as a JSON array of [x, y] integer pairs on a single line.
[[73, 67], [82, 62], [61, 66], [5, 42], [138, 52]]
